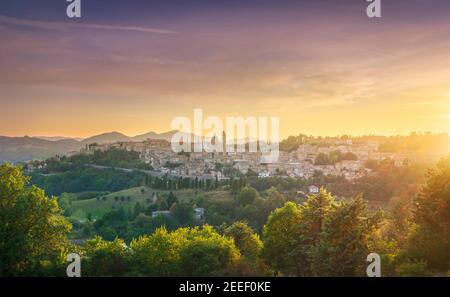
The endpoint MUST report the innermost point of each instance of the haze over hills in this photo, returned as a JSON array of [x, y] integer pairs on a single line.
[[26, 148], [117, 136], [106, 138], [22, 149], [56, 138]]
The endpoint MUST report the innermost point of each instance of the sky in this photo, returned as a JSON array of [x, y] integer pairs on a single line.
[[323, 67]]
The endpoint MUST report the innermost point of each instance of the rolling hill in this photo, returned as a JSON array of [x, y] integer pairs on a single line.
[[127, 199], [106, 138], [117, 136], [23, 149]]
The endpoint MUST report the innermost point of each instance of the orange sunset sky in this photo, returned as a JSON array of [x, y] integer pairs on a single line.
[[323, 67]]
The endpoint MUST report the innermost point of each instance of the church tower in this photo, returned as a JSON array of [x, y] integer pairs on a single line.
[[224, 143]]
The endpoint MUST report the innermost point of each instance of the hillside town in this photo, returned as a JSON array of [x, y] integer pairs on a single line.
[[302, 162]]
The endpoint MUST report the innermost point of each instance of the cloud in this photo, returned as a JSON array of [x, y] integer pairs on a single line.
[[62, 26], [144, 60]]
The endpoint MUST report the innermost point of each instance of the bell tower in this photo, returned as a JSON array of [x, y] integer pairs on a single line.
[[224, 143]]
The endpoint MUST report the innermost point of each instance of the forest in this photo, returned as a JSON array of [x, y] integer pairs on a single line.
[[262, 232]]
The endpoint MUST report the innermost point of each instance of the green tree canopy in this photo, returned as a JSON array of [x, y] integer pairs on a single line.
[[183, 213], [197, 251], [280, 239], [248, 242], [105, 258], [247, 195], [156, 254], [322, 237], [430, 236], [33, 231]]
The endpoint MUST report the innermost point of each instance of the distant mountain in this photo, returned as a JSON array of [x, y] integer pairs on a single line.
[[117, 136], [153, 135], [56, 138], [21, 149], [106, 138]]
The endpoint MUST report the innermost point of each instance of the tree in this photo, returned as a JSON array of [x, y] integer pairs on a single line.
[[341, 245], [280, 239], [105, 258], [112, 224], [293, 142], [247, 195], [399, 221], [143, 221], [274, 200], [413, 269], [258, 211], [248, 242], [206, 252], [155, 255], [322, 159], [234, 186], [183, 213], [65, 203], [161, 203], [430, 233], [171, 199], [32, 229], [322, 237], [198, 251], [137, 209]]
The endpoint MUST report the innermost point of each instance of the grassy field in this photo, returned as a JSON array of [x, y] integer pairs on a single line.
[[98, 206], [128, 198]]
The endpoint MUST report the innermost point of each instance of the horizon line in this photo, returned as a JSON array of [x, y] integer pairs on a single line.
[[350, 135]]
